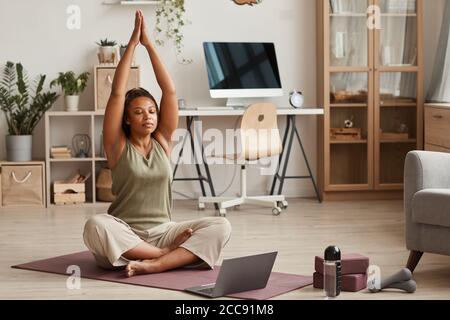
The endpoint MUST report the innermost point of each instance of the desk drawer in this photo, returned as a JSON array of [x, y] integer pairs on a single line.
[[437, 124], [104, 80]]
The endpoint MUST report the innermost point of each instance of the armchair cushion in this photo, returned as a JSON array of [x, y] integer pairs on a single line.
[[432, 206]]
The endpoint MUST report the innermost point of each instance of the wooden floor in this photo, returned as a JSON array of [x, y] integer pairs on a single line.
[[372, 228]]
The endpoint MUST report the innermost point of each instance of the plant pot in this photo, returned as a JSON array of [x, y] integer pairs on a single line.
[[122, 51], [19, 148], [71, 102], [107, 54]]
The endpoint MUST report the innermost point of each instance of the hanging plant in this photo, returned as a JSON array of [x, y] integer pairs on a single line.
[[172, 13], [249, 2]]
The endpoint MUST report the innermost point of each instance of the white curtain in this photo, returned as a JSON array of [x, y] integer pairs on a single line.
[[440, 83]]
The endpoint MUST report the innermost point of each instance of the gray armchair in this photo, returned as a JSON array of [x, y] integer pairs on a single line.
[[427, 204]]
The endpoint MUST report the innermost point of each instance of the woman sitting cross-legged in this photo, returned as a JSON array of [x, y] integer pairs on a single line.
[[138, 232]]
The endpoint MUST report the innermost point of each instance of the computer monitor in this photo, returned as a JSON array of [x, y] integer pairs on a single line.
[[242, 70]]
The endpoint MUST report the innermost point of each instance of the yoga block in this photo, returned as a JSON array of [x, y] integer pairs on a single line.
[[350, 263], [349, 282]]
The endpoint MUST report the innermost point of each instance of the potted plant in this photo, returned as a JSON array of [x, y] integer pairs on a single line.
[[72, 87], [123, 47], [22, 109], [172, 12], [107, 51]]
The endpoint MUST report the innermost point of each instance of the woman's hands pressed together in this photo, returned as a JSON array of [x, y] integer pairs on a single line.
[[140, 32], [136, 35], [145, 39]]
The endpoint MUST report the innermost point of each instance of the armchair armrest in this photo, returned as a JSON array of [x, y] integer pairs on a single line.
[[425, 170]]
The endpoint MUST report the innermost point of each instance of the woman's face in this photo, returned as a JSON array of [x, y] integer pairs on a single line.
[[142, 116]]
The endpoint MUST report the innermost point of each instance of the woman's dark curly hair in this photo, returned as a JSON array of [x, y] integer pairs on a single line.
[[130, 96]]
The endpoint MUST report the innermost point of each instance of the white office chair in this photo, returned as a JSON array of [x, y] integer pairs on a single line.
[[260, 138]]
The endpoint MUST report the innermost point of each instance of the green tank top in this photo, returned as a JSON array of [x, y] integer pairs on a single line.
[[142, 187]]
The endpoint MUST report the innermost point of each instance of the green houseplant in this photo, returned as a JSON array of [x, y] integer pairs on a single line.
[[72, 87], [23, 109], [122, 47], [107, 51], [172, 13]]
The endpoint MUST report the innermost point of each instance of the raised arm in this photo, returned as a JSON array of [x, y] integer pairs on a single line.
[[168, 115], [113, 136]]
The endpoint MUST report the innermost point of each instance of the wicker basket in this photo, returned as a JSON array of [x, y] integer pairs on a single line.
[[104, 186]]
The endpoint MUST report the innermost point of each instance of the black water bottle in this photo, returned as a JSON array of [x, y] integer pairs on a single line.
[[332, 272]]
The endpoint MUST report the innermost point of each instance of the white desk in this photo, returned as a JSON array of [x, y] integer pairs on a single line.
[[291, 131], [240, 112]]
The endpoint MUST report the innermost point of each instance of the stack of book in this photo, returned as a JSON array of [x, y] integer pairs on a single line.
[[61, 152]]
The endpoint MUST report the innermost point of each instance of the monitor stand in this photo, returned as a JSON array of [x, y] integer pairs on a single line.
[[237, 102]]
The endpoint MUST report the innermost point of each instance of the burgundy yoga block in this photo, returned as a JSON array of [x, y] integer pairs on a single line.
[[350, 282], [351, 264]]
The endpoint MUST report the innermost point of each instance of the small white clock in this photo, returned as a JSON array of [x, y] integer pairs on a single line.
[[296, 99]]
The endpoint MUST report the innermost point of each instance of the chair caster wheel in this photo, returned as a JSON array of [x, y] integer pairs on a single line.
[[276, 211], [222, 212], [283, 204], [201, 206]]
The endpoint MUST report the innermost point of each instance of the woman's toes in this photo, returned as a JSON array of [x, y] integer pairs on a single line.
[[182, 237], [131, 269], [186, 234]]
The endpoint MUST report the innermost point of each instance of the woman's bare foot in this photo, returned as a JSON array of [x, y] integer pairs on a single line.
[[140, 267], [150, 266], [181, 238]]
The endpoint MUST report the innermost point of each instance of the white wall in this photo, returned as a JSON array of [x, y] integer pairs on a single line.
[[35, 34]]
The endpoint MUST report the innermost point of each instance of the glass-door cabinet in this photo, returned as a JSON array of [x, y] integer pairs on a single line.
[[369, 82], [349, 151], [399, 89]]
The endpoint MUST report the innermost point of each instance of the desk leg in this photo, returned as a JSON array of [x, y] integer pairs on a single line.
[[205, 164], [307, 163], [286, 159], [189, 121], [197, 165], [292, 127], [200, 177], [280, 157]]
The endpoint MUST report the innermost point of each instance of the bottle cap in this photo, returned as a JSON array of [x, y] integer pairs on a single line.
[[332, 253]]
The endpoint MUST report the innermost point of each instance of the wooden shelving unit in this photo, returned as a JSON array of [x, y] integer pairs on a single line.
[[60, 127], [373, 77]]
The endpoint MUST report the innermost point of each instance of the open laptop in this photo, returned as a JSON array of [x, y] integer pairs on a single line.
[[238, 275]]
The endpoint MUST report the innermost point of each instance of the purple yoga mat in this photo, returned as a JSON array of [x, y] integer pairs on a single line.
[[279, 283]]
